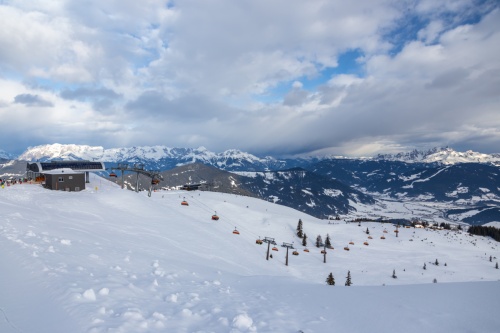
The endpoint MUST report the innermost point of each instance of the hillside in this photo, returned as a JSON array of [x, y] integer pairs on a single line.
[[111, 260]]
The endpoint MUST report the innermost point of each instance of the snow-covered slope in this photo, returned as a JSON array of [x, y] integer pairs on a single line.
[[111, 260]]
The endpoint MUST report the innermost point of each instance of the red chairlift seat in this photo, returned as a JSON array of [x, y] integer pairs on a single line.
[[184, 203], [382, 237], [370, 237], [323, 251], [236, 232], [215, 217], [112, 174], [155, 181], [352, 243], [365, 243], [346, 248], [306, 250], [258, 241], [275, 248], [295, 253]]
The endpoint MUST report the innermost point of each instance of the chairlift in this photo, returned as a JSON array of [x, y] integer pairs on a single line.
[[323, 251], [155, 181], [275, 248], [235, 231], [351, 243], [346, 248], [370, 237], [112, 174], [295, 253], [306, 250], [184, 203], [259, 241], [215, 217], [382, 237], [365, 243]]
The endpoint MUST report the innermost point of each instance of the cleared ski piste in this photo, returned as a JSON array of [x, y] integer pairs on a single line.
[[111, 260]]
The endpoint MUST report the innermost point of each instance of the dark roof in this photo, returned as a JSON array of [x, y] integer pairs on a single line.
[[74, 165]]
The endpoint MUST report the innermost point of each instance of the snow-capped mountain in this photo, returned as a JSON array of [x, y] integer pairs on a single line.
[[163, 157], [155, 157], [440, 155]]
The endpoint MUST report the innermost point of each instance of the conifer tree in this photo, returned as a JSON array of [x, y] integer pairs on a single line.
[[327, 241], [496, 266], [299, 229], [304, 240], [367, 231], [330, 280], [436, 263], [348, 281], [394, 274], [490, 258], [425, 266], [319, 241]]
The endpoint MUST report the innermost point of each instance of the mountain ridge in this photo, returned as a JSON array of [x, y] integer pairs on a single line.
[[232, 159]]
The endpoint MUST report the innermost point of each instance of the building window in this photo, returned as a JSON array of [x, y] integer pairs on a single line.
[[70, 177], [61, 179], [77, 189]]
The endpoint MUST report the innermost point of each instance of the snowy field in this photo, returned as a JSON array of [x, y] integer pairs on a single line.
[[111, 260]]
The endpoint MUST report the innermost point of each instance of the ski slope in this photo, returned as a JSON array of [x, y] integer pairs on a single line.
[[111, 260]]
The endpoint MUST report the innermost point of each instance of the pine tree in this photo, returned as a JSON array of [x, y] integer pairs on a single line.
[[434, 281], [490, 258], [348, 281], [330, 280], [327, 241], [319, 241], [436, 263], [425, 266], [367, 231], [299, 229], [394, 274], [304, 240], [496, 266]]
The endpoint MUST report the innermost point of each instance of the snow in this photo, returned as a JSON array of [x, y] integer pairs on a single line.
[[112, 260]]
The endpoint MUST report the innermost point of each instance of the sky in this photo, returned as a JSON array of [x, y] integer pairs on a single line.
[[281, 78], [106, 260]]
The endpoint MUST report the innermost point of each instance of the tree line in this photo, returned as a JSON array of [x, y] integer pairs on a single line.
[[485, 231]]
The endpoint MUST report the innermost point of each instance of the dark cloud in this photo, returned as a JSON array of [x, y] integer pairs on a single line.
[[89, 94], [194, 107], [32, 100]]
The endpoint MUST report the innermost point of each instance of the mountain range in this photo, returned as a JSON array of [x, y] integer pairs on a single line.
[[466, 185]]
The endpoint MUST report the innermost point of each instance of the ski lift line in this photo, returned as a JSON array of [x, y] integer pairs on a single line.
[[224, 218], [229, 220]]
